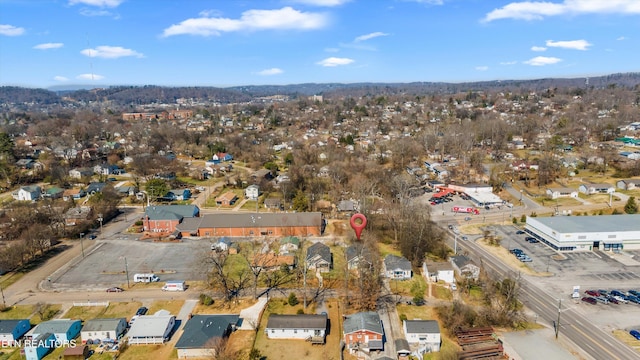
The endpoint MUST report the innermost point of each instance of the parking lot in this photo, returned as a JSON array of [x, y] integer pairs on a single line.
[[105, 264], [560, 272]]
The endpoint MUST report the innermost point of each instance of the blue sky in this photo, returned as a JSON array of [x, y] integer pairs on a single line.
[[253, 42]]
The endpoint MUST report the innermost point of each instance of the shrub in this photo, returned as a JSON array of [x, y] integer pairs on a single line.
[[293, 299], [300, 311], [206, 300], [403, 317]]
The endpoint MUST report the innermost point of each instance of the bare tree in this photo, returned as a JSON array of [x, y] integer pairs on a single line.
[[223, 278]]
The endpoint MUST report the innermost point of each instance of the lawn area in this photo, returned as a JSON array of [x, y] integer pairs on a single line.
[[221, 307], [339, 263], [30, 312], [386, 249], [441, 291], [172, 306], [114, 310], [449, 346], [10, 278], [626, 338], [156, 352], [299, 349], [409, 287], [241, 342]]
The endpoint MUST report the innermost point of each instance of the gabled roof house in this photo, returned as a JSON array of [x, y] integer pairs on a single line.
[[202, 333], [319, 257]]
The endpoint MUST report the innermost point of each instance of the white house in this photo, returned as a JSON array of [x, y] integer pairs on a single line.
[[151, 329], [397, 267], [465, 267], [590, 189], [98, 330], [559, 192], [301, 327], [252, 192], [628, 184], [28, 193], [12, 330], [425, 333], [64, 330], [442, 271]]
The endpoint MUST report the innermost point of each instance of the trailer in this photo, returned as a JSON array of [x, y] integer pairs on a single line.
[[174, 286], [145, 278], [465, 210]]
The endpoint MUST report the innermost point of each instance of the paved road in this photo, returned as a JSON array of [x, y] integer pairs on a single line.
[[579, 330]]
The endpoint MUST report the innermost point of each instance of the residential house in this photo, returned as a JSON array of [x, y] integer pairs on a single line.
[[628, 184], [165, 218], [397, 267], [358, 256], [438, 271], [289, 244], [222, 245], [12, 330], [28, 193], [53, 193], [402, 349], [271, 261], [308, 327], [64, 330], [105, 169], [273, 203], [440, 172], [465, 267], [261, 174], [227, 199], [590, 189], [202, 333], [319, 257], [151, 329], [559, 192], [79, 173], [363, 332], [424, 333], [77, 215], [127, 190], [95, 331], [221, 157], [95, 187], [39, 346], [73, 194], [26, 164], [252, 192], [178, 195]]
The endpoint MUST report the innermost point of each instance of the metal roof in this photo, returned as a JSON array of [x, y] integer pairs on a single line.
[[422, 327], [171, 212], [200, 329], [363, 321], [587, 224], [7, 326], [301, 321], [243, 220], [150, 326], [103, 324], [54, 326]]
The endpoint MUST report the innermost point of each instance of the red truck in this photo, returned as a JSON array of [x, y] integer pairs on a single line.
[[466, 210]]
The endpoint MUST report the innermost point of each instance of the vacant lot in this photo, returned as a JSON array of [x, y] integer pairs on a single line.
[[299, 349], [114, 310]]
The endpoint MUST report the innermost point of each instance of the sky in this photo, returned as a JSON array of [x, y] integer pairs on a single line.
[[45, 43]]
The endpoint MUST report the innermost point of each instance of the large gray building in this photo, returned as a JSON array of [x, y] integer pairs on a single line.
[[584, 233]]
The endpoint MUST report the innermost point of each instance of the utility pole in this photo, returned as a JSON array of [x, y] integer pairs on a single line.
[[82, 244], [558, 322], [304, 291], [4, 303], [100, 218], [126, 269]]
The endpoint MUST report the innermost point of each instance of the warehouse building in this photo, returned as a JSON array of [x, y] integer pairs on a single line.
[[585, 233]]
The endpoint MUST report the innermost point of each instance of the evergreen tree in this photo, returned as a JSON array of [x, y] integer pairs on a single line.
[[631, 207]]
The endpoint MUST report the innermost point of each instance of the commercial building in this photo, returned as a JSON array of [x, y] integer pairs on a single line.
[[585, 233]]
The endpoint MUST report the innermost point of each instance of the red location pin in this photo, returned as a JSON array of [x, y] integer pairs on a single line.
[[358, 226]]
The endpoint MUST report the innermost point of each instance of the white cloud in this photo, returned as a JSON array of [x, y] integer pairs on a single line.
[[542, 61], [272, 71], [60, 78], [110, 52], [621, 38], [430, 2], [482, 68], [335, 61], [92, 13], [370, 36], [89, 77], [100, 3], [538, 48], [48, 46], [10, 30], [573, 44], [285, 18], [322, 2], [537, 10]]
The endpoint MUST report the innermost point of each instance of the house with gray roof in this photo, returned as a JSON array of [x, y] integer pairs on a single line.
[[151, 329], [319, 257], [64, 330], [363, 332], [165, 218], [12, 330], [28, 193], [465, 267], [358, 255], [95, 187], [308, 327], [423, 333], [397, 267], [202, 333], [95, 331], [628, 184]]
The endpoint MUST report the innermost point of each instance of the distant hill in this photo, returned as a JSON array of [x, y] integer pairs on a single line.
[[134, 95]]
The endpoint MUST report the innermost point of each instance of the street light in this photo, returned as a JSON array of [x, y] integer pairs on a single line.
[[100, 219], [81, 243]]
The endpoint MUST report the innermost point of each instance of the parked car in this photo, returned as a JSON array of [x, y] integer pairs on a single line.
[[618, 293], [93, 236], [468, 218], [621, 299], [602, 299], [520, 232], [603, 292], [635, 334], [613, 300], [590, 300], [634, 292], [115, 289], [142, 310], [515, 251], [454, 287], [634, 299], [592, 292]]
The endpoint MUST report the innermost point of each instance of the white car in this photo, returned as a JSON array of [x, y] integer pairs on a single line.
[[454, 287]]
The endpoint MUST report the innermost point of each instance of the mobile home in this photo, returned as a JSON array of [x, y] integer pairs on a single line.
[[145, 278]]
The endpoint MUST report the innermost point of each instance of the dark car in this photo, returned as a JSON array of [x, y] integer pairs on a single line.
[[613, 300], [633, 299], [93, 236], [618, 293], [635, 334], [590, 300], [603, 292], [520, 232], [115, 289], [592, 292], [634, 292], [142, 310]]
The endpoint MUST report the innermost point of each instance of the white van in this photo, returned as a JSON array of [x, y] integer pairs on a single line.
[[174, 286], [145, 278]]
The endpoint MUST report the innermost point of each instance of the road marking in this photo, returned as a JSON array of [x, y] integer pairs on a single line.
[[594, 341]]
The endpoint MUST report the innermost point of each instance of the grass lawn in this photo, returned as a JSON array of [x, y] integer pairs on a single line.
[[241, 342], [156, 352], [339, 264], [299, 349], [172, 306], [29, 312], [221, 307], [386, 249], [626, 338], [441, 291], [10, 278], [114, 310], [406, 287], [449, 346]]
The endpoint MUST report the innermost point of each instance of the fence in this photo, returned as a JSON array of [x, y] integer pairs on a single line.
[[103, 303]]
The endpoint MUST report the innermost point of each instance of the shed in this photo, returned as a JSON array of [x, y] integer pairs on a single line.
[[76, 352]]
